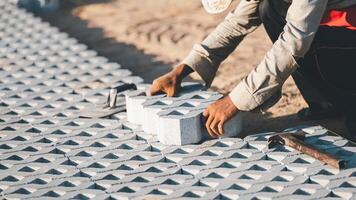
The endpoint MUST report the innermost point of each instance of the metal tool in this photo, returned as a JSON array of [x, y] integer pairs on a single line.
[[114, 103], [112, 97], [296, 141]]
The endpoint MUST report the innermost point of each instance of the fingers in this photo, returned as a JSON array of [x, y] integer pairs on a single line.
[[207, 126], [170, 92], [214, 127], [164, 84], [211, 123], [154, 89], [208, 120], [221, 127]]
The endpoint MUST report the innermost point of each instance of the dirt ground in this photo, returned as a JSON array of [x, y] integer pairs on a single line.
[[151, 36]]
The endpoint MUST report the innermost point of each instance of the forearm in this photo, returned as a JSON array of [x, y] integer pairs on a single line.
[[228, 34], [206, 57], [265, 80]]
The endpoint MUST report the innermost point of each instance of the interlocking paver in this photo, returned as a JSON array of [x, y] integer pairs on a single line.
[[175, 120]]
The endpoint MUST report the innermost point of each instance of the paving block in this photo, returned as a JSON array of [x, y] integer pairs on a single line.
[[153, 193], [8, 181], [281, 152], [134, 108], [265, 191], [228, 194], [185, 101], [180, 127], [83, 194], [139, 180], [193, 192], [150, 110], [173, 181], [125, 190], [345, 188], [108, 178], [184, 126], [302, 192], [329, 175], [135, 100], [47, 171]]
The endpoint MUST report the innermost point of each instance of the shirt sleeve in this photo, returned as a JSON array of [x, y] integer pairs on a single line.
[[206, 57], [303, 19]]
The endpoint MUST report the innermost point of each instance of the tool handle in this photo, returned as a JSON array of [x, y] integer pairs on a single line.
[[301, 146]]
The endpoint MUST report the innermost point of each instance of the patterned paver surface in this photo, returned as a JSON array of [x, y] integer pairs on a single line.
[[47, 80]]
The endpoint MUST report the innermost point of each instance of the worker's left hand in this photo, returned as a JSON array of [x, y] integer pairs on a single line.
[[217, 114]]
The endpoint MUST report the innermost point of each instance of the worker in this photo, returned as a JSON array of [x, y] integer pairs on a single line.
[[314, 41]]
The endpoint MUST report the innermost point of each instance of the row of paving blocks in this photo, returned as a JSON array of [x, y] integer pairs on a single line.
[[176, 120]]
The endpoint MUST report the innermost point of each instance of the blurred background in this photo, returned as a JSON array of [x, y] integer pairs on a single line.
[[150, 36]]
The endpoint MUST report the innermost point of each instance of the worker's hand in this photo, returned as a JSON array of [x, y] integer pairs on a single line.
[[217, 114], [170, 82]]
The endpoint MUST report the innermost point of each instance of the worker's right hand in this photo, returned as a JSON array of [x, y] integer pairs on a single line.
[[170, 82]]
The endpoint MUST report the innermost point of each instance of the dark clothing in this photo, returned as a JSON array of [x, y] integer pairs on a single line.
[[327, 73], [329, 67]]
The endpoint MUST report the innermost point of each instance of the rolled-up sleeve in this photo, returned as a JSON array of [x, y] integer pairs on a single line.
[[206, 57], [303, 19]]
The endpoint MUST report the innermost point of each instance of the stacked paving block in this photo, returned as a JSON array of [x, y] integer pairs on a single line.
[[48, 151], [176, 120], [135, 100]]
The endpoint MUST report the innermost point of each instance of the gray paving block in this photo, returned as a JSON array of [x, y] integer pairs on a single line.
[[266, 191], [82, 194], [324, 176], [345, 188], [281, 152], [154, 192], [154, 106], [185, 101], [194, 192], [301, 163], [181, 126], [135, 100], [300, 192]]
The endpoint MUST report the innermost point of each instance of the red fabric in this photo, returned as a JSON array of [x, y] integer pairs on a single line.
[[341, 18]]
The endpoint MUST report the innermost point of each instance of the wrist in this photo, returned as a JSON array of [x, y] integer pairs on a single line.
[[181, 71], [231, 103]]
